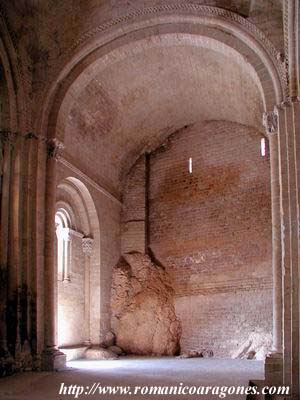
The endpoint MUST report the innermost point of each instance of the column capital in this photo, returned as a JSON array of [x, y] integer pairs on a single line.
[[87, 245], [270, 121], [288, 102], [54, 148], [7, 136], [31, 135]]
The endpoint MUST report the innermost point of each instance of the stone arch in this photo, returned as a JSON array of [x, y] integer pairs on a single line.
[[243, 36], [165, 37], [74, 197], [15, 80], [72, 218], [8, 94], [85, 204]]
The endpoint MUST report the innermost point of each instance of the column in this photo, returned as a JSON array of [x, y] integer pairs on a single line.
[[52, 358], [289, 154], [87, 248], [273, 365], [290, 205], [296, 270], [291, 29], [271, 125], [6, 140], [293, 130], [67, 255]]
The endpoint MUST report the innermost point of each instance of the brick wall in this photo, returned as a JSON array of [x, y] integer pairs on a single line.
[[212, 230], [224, 321], [134, 218]]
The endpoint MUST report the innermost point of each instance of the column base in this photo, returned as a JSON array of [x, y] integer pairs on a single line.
[[274, 369], [7, 363], [53, 360]]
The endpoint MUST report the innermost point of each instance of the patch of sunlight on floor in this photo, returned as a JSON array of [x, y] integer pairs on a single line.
[[96, 364]]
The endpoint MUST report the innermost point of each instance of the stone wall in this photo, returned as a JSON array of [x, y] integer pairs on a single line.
[[105, 253], [70, 301], [212, 231]]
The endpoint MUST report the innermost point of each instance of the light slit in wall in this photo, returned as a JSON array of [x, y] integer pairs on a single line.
[[190, 165], [263, 147]]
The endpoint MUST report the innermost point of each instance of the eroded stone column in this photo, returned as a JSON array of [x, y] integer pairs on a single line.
[[52, 358], [87, 248]]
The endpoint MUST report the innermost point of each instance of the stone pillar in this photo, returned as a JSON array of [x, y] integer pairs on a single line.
[[290, 204], [52, 358], [296, 271], [87, 248], [289, 155], [28, 282], [5, 148], [273, 367], [15, 256], [292, 111]]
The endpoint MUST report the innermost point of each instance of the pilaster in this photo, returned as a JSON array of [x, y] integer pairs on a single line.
[[289, 212], [87, 248], [52, 358], [6, 144], [274, 360]]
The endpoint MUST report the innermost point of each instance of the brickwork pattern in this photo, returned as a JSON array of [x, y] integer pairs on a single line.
[[134, 218], [212, 230]]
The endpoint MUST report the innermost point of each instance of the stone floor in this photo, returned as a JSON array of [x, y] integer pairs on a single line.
[[131, 372]]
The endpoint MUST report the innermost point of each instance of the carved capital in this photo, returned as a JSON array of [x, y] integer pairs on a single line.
[[295, 99], [8, 137], [31, 135], [54, 148], [87, 245], [270, 122], [289, 101]]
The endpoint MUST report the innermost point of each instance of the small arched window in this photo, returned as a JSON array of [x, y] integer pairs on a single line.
[[62, 224]]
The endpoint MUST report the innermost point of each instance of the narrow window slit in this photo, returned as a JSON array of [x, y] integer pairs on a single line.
[[190, 165], [263, 147]]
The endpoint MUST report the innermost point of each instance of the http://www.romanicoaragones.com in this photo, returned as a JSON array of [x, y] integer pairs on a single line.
[[222, 392]]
